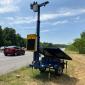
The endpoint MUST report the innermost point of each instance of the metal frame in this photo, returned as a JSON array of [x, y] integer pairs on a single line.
[[36, 8]]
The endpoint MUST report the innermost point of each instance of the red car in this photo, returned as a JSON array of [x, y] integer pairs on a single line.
[[13, 50]]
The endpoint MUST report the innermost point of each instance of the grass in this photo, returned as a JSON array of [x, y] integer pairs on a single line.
[[27, 76]]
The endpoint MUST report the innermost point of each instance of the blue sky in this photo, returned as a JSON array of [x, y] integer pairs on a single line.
[[61, 20]]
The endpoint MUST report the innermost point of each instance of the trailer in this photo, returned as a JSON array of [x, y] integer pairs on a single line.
[[53, 58]]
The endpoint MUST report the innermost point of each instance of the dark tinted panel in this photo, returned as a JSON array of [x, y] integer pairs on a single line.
[[55, 53], [31, 44]]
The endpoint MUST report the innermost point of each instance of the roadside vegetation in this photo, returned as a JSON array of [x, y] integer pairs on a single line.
[[27, 76], [78, 45], [46, 44], [8, 37]]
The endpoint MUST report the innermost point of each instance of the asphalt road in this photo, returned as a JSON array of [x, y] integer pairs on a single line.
[[11, 63]]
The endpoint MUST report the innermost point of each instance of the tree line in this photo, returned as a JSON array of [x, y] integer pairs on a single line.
[[46, 44], [78, 44], [8, 37]]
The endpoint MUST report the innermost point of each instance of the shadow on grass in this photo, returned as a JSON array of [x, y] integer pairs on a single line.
[[64, 79]]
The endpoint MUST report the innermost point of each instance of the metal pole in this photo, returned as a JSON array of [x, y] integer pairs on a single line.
[[38, 31], [36, 53], [36, 8]]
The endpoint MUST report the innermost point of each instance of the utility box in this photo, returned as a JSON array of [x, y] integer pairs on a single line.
[[31, 42]]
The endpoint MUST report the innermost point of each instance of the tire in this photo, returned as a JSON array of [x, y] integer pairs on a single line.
[[23, 54], [5, 54], [42, 70], [15, 54], [59, 71]]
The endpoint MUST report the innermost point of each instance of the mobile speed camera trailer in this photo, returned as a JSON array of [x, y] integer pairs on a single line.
[[54, 58]]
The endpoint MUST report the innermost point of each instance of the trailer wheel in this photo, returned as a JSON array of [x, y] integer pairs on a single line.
[[42, 70], [59, 71]]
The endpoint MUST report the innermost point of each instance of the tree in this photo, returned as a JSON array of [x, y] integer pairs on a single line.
[[79, 43], [83, 35], [9, 37]]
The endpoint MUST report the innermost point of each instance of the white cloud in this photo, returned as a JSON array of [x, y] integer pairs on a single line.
[[8, 6], [6, 2], [17, 20], [77, 18], [60, 22], [44, 17], [63, 13], [6, 9], [9, 18], [9, 2], [22, 20], [43, 31]]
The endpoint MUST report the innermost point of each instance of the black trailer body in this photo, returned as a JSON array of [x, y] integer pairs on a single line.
[[54, 58]]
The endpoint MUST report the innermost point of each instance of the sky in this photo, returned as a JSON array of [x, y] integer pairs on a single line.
[[61, 20]]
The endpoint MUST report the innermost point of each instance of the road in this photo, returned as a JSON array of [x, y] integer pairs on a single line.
[[11, 63]]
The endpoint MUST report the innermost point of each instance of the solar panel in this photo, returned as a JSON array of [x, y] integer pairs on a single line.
[[55, 53]]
